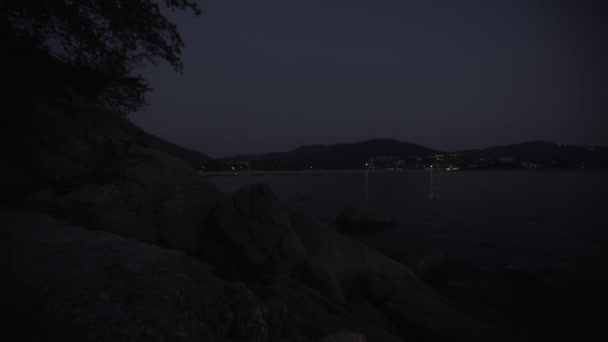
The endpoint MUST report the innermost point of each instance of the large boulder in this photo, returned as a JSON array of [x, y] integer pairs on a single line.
[[388, 293], [179, 200], [253, 221], [65, 144], [355, 218], [65, 283], [341, 254], [97, 207], [293, 307], [430, 265], [159, 199], [344, 336]]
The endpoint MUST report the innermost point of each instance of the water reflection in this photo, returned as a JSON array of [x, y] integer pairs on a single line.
[[432, 185], [366, 198]]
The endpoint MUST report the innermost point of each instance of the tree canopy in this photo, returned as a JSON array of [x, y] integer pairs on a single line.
[[110, 38]]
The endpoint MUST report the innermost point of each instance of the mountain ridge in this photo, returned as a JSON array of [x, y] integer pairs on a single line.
[[390, 153]]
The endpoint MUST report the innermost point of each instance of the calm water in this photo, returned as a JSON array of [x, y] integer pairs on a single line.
[[540, 218]]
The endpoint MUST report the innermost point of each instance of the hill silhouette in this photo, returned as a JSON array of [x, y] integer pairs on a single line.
[[391, 153], [337, 156]]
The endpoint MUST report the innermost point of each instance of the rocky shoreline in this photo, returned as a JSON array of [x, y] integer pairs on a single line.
[[65, 283], [231, 267]]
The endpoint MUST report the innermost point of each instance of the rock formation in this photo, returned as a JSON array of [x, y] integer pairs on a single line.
[[253, 222], [430, 265], [384, 291], [292, 278], [65, 283]]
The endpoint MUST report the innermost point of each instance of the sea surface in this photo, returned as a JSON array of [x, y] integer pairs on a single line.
[[546, 221]]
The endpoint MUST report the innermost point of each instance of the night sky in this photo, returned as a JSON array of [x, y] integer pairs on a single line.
[[272, 75]]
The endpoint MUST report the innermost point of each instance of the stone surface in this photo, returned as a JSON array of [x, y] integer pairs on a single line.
[[88, 165], [294, 307], [66, 144], [430, 265], [388, 293], [355, 218], [97, 207], [65, 283], [340, 253], [253, 221], [166, 204], [344, 336]]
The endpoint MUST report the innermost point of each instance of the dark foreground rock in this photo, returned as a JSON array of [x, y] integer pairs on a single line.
[[64, 283], [355, 218], [430, 265], [386, 292], [344, 336], [88, 165], [253, 221]]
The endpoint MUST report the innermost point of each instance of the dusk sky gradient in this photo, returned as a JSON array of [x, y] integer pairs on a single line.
[[272, 75]]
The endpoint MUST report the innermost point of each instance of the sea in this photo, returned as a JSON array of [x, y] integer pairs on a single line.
[[551, 222]]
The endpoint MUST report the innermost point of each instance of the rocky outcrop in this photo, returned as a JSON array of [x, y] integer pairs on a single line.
[[65, 283], [344, 336], [430, 265], [97, 207], [179, 201], [296, 307], [65, 144], [360, 219], [74, 285], [384, 291], [253, 221], [88, 165], [158, 200]]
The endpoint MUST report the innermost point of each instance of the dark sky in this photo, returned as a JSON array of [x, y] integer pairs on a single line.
[[272, 75]]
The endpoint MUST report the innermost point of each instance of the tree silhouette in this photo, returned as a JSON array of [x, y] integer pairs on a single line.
[[104, 38]]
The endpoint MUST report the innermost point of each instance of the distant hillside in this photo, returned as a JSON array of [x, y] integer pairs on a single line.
[[346, 156], [338, 156], [545, 153], [393, 154], [197, 159]]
